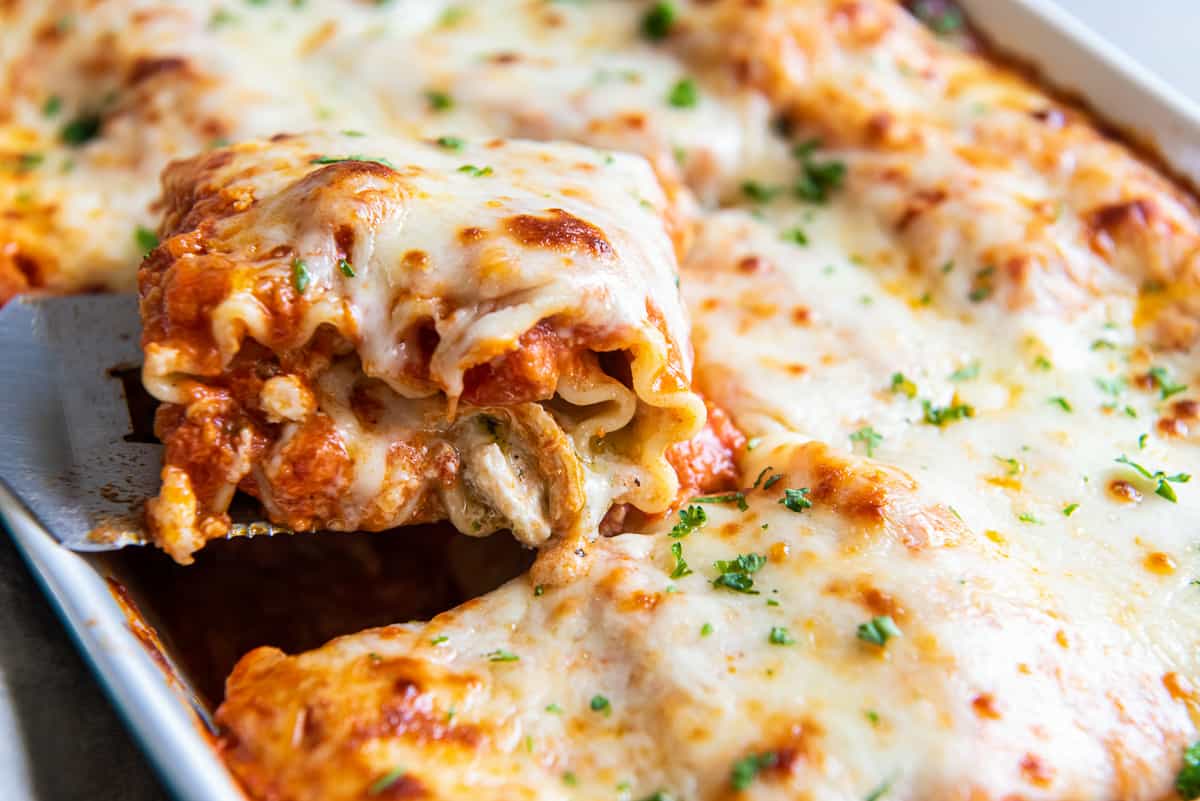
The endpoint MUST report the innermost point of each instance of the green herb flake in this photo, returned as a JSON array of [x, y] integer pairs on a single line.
[[1162, 380], [346, 268], [753, 443], [385, 781], [684, 94], [944, 415], [1042, 363], [477, 172], [501, 655], [706, 629], [795, 235], [1012, 466], [554, 709], [657, 22], [1187, 781], [869, 437], [570, 779], [539, 591], [1062, 403], [878, 792], [760, 193], [1069, 509], [600, 704], [772, 481], [1029, 517], [779, 636], [438, 640], [902, 386], [690, 519], [52, 106], [878, 630], [730, 497], [146, 238], [965, 373], [438, 100], [818, 179], [681, 566], [450, 143], [351, 157], [746, 769], [796, 499], [1163, 482], [300, 275], [81, 130], [735, 574], [872, 716]]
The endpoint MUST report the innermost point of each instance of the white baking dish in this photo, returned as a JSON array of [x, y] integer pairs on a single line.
[[159, 708]]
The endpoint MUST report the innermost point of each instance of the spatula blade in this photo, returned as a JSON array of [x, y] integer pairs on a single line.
[[66, 417]]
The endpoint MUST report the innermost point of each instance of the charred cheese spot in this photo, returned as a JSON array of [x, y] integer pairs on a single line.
[[558, 230]]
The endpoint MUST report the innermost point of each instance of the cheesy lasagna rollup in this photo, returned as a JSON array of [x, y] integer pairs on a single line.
[[364, 333]]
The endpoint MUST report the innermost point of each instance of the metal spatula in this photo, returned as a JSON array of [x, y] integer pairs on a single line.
[[69, 446], [76, 445]]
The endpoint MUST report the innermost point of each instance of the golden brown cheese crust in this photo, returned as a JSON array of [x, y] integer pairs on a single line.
[[363, 341], [650, 680]]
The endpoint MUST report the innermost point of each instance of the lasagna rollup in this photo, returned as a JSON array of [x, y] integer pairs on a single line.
[[487, 333]]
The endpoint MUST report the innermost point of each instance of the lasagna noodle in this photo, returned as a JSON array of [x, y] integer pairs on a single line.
[[485, 332]]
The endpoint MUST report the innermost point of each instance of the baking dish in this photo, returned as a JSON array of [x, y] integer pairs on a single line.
[[162, 707]]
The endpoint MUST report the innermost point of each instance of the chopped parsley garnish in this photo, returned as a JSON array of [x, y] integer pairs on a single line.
[[706, 630], [872, 716], [779, 636], [735, 574], [554, 709], [1114, 386], [1187, 781], [478, 172], [600, 704], [81, 130], [452, 16], [569, 778], [450, 142], [146, 239], [52, 106], [1069, 509], [539, 590], [351, 157], [796, 499], [730, 497], [795, 235], [878, 630], [684, 94], [439, 101], [658, 795], [942, 415], [438, 640], [869, 437], [941, 18], [760, 193], [965, 373], [817, 178], [1103, 344], [1028, 517], [878, 792], [1042, 363], [690, 519], [656, 24], [772, 481], [746, 769], [501, 655], [903, 386], [1142, 441], [1012, 466], [300, 276], [1162, 380], [346, 268], [352, 132], [753, 443], [1163, 488], [982, 286], [762, 474], [1061, 402], [681, 565], [385, 781]]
